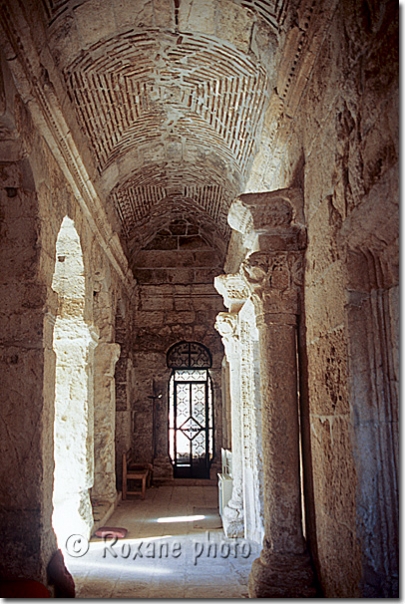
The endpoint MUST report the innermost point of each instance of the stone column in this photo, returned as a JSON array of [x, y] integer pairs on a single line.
[[105, 358], [234, 291], [273, 272], [233, 522], [162, 467], [252, 424], [74, 344]]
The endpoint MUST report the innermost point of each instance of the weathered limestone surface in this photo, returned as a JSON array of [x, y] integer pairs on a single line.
[[141, 121], [167, 314], [35, 199], [27, 369], [233, 515], [273, 272], [252, 424], [106, 355], [340, 143]]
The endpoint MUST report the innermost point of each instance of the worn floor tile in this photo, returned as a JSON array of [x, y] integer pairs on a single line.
[[167, 553]]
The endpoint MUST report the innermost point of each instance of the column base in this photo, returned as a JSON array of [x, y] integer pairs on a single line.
[[162, 468], [282, 576], [233, 522]]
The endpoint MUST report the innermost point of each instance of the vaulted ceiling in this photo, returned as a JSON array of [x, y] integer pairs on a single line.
[[170, 97]]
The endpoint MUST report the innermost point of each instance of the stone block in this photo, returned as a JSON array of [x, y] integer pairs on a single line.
[[121, 396], [323, 247], [95, 19], [10, 177], [206, 275], [197, 17], [335, 505], [150, 319], [164, 14], [192, 242], [327, 374], [169, 259], [20, 428], [181, 304], [212, 303], [143, 276], [182, 318], [155, 303], [121, 371], [133, 14], [206, 259], [180, 275], [234, 24], [319, 169], [183, 290], [324, 302], [163, 242]]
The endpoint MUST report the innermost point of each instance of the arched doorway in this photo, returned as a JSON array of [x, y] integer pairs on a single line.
[[191, 410], [73, 344]]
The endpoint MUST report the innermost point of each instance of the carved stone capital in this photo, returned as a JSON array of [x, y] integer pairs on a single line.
[[266, 219], [227, 326], [233, 289], [275, 280]]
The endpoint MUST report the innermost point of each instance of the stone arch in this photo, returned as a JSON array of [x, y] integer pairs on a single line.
[[73, 343]]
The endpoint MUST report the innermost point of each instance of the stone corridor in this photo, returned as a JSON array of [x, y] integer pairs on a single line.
[[186, 568], [199, 252]]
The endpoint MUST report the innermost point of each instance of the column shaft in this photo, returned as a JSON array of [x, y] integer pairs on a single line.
[[233, 518], [282, 498]]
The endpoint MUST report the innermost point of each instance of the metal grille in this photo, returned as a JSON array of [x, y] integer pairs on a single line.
[[188, 355], [191, 423]]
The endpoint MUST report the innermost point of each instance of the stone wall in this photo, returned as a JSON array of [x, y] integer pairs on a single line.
[[167, 314], [35, 198], [330, 131], [338, 139]]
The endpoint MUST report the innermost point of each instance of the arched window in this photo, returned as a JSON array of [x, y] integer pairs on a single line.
[[191, 413]]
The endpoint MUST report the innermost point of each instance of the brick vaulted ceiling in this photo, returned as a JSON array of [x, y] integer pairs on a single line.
[[170, 95]]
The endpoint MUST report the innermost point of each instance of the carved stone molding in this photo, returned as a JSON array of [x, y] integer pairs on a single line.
[[233, 289], [227, 326], [275, 280], [266, 219]]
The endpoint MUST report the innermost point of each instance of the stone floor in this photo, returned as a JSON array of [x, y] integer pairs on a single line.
[[174, 548]]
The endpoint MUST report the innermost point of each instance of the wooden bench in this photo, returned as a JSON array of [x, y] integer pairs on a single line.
[[135, 471]]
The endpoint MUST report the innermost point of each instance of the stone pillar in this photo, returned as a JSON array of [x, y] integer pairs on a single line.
[[227, 325], [273, 272], [162, 467], [234, 291], [252, 424], [105, 358], [74, 344]]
